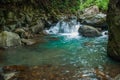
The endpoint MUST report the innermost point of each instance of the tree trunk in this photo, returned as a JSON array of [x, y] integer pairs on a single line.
[[113, 19]]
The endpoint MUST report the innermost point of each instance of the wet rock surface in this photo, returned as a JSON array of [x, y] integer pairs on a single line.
[[49, 72], [29, 41], [89, 31]]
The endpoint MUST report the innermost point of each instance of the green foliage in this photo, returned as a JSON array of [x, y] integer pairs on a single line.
[[74, 5], [102, 4], [65, 6]]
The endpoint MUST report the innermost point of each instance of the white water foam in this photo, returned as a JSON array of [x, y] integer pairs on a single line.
[[67, 28]]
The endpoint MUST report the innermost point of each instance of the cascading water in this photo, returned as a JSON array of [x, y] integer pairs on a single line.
[[69, 28], [65, 28]]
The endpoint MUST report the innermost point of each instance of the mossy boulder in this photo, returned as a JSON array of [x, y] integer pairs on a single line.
[[8, 39]]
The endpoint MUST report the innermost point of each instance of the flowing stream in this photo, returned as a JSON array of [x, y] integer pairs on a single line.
[[64, 46]]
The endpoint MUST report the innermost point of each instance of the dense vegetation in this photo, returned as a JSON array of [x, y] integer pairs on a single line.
[[59, 5], [102, 4]]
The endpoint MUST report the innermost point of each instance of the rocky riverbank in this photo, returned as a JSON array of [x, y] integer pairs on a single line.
[[49, 72], [20, 26]]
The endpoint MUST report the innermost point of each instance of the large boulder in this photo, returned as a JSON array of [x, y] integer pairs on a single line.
[[8, 39], [92, 16], [97, 20], [89, 31]]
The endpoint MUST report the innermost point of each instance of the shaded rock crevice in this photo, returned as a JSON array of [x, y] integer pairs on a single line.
[[113, 21]]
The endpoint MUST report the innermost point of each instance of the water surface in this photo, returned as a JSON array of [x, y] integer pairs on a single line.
[[65, 47], [60, 50]]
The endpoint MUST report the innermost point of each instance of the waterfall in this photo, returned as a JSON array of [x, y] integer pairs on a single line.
[[65, 27]]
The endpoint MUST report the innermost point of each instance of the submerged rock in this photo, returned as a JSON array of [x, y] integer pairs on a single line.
[[88, 44], [9, 76], [10, 72], [89, 31], [14, 68], [53, 38], [29, 41], [8, 39], [49, 72]]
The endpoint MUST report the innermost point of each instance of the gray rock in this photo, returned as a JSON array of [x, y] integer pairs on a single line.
[[38, 27], [24, 32], [19, 30], [91, 11], [9, 76], [12, 27], [97, 20], [89, 31], [29, 41], [117, 77], [92, 16], [8, 39]]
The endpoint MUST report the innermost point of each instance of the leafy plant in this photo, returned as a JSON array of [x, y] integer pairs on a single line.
[[102, 4]]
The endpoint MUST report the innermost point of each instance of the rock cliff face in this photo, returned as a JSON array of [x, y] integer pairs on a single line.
[[113, 19], [14, 14], [22, 17]]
